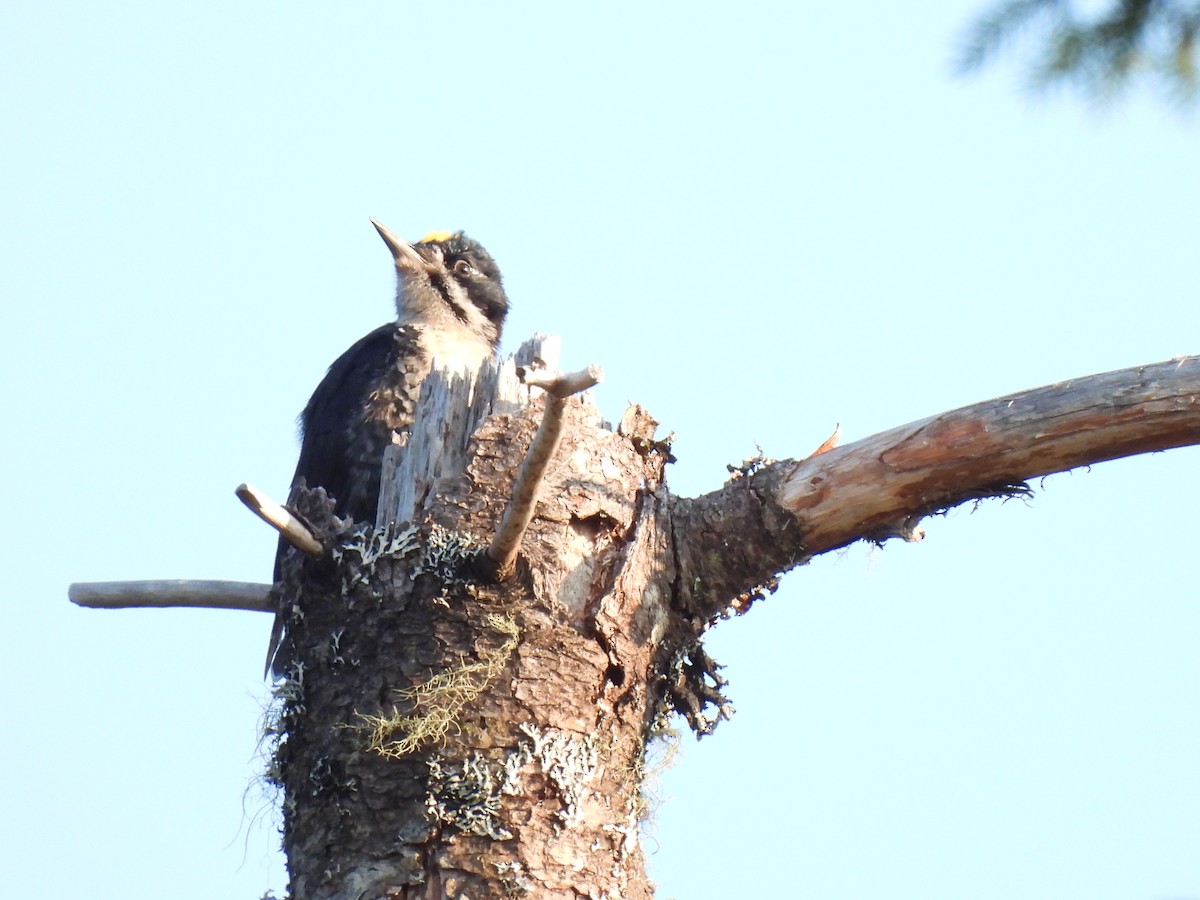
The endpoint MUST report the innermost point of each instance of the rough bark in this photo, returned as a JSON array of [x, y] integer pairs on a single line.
[[443, 736]]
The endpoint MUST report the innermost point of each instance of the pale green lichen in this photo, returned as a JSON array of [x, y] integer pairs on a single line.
[[436, 704]]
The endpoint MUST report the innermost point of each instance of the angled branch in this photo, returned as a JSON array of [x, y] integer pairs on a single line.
[[562, 385], [502, 553], [157, 594], [451, 407], [281, 519], [734, 541]]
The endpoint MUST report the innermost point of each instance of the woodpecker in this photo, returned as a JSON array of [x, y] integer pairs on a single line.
[[450, 308]]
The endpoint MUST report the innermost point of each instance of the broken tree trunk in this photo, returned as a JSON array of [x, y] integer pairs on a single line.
[[443, 734]]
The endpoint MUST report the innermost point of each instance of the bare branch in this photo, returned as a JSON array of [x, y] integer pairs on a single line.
[[561, 385], [507, 542], [875, 484], [281, 519], [734, 540], [158, 594]]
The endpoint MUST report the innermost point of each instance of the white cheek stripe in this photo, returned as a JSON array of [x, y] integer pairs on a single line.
[[461, 303]]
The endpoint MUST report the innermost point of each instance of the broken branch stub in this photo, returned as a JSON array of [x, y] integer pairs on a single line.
[[282, 519], [502, 553], [171, 593]]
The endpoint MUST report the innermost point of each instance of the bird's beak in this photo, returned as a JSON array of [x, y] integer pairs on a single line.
[[403, 252]]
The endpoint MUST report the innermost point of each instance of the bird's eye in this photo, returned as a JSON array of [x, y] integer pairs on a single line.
[[464, 268]]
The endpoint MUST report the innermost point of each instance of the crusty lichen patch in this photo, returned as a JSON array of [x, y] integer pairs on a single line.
[[467, 797], [446, 553], [569, 761], [370, 544]]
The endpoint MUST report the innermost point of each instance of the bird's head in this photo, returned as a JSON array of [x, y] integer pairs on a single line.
[[449, 283]]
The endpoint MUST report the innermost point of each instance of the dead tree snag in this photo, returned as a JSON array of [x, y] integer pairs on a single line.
[[444, 733]]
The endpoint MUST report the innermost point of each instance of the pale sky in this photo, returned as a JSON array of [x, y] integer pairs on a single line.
[[762, 220]]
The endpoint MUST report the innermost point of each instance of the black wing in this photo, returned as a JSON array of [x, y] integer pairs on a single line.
[[343, 440]]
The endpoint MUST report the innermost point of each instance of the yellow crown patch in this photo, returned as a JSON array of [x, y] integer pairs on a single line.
[[436, 237]]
